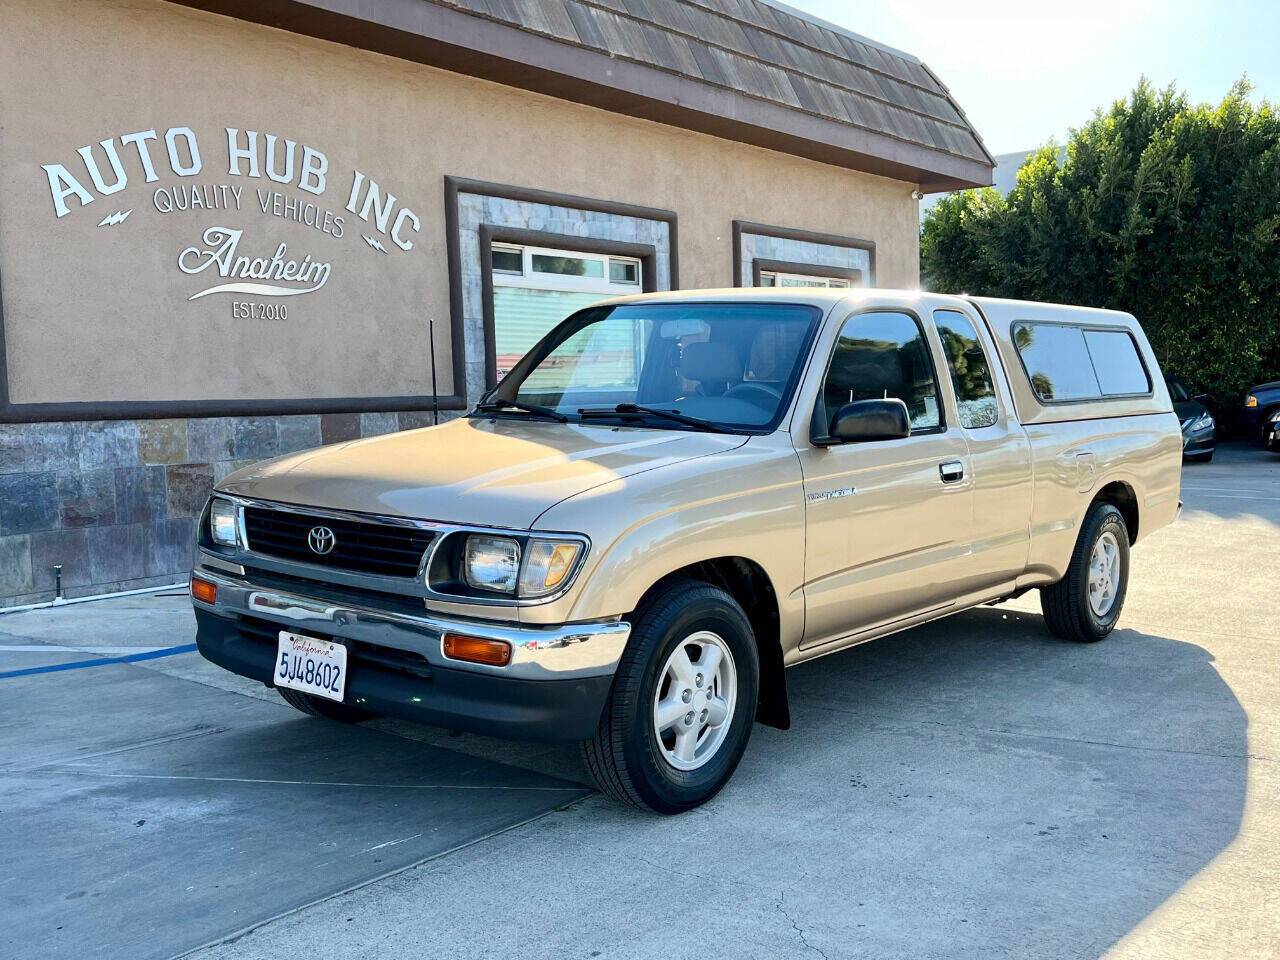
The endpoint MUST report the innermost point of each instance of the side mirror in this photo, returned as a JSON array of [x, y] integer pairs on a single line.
[[865, 420]]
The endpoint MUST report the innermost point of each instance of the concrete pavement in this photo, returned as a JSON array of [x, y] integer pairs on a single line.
[[972, 788]]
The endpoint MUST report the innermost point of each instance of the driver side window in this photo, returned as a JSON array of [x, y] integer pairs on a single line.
[[878, 356]]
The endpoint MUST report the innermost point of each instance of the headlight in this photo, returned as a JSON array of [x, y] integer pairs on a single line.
[[1202, 422], [222, 522], [523, 567], [546, 565], [492, 563], [1251, 401]]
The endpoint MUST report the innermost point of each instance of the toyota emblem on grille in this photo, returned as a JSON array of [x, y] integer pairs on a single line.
[[321, 540]]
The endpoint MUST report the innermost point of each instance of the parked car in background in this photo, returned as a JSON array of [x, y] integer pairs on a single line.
[[1261, 403], [673, 497], [1271, 432], [1199, 432]]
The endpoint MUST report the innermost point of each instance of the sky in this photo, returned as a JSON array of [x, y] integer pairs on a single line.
[[1024, 72]]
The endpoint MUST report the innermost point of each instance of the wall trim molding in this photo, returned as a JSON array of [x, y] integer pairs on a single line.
[[803, 236]]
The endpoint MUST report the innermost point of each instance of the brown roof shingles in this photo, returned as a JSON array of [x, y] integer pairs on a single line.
[[761, 51], [747, 70]]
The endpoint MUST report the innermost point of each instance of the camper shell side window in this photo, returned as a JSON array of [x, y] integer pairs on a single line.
[[1072, 363]]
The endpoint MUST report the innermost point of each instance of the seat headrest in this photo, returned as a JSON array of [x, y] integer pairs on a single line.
[[710, 361], [868, 370]]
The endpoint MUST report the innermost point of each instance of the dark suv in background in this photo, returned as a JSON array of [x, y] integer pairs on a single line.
[[1199, 436], [1261, 414]]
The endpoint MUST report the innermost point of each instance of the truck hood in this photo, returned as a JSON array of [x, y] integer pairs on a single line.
[[489, 472]]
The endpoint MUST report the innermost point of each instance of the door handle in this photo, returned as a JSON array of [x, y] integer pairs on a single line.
[[951, 471]]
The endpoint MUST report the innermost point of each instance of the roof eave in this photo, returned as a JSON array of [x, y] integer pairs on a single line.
[[464, 43]]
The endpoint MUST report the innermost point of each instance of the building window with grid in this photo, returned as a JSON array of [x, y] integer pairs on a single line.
[[534, 288]]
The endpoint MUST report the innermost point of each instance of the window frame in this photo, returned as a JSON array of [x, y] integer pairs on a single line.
[[744, 228], [1083, 328], [488, 234], [942, 426], [978, 330], [855, 277], [828, 283]]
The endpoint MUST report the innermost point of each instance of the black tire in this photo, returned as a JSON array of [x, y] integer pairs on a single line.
[[624, 758], [320, 707], [1065, 604]]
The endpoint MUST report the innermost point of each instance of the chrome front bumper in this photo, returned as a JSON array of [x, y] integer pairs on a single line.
[[537, 653]]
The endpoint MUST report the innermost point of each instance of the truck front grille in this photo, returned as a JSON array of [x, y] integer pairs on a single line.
[[361, 546]]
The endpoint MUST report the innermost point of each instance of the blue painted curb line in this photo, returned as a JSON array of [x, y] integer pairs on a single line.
[[77, 664]]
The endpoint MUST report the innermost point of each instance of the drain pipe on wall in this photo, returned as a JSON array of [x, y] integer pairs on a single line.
[[60, 601]]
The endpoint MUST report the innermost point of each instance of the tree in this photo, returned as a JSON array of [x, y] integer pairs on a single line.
[[1164, 209]]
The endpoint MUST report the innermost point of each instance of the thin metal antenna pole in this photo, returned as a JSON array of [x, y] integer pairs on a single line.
[[435, 402]]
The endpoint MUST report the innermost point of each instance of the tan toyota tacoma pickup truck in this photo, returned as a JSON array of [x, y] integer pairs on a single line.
[[674, 497]]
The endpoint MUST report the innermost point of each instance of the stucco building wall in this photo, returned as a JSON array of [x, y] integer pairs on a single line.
[[96, 309], [88, 308]]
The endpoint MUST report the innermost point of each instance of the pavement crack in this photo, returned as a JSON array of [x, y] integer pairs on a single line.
[[237, 935], [660, 868], [90, 772], [32, 766], [780, 906]]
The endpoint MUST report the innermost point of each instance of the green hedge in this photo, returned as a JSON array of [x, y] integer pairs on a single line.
[[1161, 208]]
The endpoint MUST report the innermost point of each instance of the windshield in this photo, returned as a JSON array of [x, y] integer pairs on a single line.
[[731, 366], [1177, 391]]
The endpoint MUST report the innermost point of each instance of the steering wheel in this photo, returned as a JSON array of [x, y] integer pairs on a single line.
[[744, 390]]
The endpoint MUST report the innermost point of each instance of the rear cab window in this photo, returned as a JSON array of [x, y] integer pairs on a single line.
[[1066, 362]]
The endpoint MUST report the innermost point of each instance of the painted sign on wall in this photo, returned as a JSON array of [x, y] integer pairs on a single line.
[[248, 171]]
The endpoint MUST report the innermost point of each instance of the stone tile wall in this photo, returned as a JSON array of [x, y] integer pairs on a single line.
[[116, 501]]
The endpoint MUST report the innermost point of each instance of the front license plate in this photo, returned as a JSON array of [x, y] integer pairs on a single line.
[[311, 665]]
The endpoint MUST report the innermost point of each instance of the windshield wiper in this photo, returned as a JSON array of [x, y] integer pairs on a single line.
[[493, 406], [631, 410]]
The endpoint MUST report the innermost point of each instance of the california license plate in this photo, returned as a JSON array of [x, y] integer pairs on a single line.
[[311, 665]]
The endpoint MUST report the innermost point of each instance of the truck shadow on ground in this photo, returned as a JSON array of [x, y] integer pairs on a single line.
[[991, 787]]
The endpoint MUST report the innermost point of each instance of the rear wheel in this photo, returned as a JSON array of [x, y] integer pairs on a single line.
[[1085, 604], [683, 702], [320, 707]]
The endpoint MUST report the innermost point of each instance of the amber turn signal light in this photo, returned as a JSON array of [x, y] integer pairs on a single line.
[[203, 590], [493, 653]]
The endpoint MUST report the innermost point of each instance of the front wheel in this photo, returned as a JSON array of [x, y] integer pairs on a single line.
[[1085, 604], [683, 702]]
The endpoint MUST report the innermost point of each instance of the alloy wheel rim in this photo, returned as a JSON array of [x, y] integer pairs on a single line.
[[694, 701], [1104, 574]]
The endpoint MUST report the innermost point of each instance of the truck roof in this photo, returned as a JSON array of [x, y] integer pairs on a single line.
[[826, 296]]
